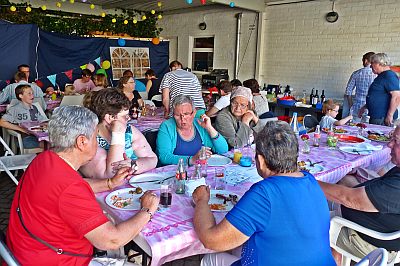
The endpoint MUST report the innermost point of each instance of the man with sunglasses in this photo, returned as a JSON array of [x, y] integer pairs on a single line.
[[373, 204]]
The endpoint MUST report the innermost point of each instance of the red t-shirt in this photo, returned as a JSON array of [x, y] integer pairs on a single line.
[[59, 207]]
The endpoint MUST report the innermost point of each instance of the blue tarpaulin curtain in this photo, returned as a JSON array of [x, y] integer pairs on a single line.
[[56, 53]]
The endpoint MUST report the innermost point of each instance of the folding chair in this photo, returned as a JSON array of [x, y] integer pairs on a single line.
[[10, 161], [377, 257], [5, 252]]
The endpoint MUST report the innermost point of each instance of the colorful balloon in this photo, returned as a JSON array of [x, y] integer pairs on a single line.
[[160, 16], [58, 4], [126, 21], [44, 7], [91, 67], [121, 42], [113, 20], [189, 2], [203, 2], [153, 11], [159, 4], [92, 6], [106, 64], [134, 21], [144, 17], [232, 4], [103, 14], [155, 41], [28, 9], [72, 1], [13, 8]]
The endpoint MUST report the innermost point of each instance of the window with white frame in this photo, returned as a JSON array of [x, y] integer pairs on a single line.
[[203, 54]]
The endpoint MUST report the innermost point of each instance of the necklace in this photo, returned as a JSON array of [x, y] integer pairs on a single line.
[[68, 162]]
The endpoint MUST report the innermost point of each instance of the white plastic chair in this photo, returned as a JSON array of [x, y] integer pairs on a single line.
[[143, 94], [10, 162], [5, 252], [377, 257], [336, 225], [157, 98]]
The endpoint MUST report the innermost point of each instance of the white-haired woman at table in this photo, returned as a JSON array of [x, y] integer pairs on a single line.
[[117, 140], [182, 136], [281, 220]]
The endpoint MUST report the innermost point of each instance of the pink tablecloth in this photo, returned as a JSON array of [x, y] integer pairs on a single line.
[[40, 135], [149, 122]]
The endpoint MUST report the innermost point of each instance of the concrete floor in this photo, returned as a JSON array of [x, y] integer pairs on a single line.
[[7, 190]]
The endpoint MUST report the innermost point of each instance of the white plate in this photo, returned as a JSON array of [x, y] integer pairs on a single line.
[[148, 177], [218, 160], [349, 149], [214, 200], [316, 168], [124, 194]]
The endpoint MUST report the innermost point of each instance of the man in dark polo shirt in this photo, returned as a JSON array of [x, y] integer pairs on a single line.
[[373, 204], [384, 93]]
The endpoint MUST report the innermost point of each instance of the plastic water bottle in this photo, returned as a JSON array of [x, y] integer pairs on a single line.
[[294, 124], [203, 161]]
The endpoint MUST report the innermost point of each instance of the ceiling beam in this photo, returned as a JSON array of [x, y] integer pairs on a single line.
[[255, 5]]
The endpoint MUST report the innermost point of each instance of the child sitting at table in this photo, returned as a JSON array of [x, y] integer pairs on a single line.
[[331, 109], [23, 111]]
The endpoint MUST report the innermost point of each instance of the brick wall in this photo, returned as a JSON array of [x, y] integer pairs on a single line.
[[303, 50]]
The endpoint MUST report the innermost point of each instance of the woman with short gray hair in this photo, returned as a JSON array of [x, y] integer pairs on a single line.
[[288, 206], [182, 136]]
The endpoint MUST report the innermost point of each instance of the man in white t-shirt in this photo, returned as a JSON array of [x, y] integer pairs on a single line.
[[224, 89]]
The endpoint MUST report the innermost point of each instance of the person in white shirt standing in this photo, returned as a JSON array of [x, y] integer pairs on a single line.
[[179, 82]]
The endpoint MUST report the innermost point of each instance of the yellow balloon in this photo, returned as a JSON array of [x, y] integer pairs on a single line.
[[160, 16], [153, 11], [58, 4], [44, 7], [113, 20], [125, 21], [134, 21], [159, 4], [13, 8], [103, 14], [28, 9], [144, 17], [92, 6], [72, 1], [106, 64]]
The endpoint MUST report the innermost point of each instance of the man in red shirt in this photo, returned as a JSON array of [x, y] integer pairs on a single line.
[[58, 206]]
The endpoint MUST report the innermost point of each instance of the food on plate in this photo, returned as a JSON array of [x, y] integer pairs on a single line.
[[218, 207], [301, 163], [137, 190], [352, 124], [231, 197], [303, 166], [377, 137], [120, 202], [335, 130]]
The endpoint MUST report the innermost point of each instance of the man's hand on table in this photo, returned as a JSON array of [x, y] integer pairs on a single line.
[[149, 200], [201, 194]]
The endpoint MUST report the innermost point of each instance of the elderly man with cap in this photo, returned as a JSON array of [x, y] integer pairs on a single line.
[[238, 121]]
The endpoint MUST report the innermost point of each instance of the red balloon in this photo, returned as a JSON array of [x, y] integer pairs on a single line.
[[203, 2], [39, 83]]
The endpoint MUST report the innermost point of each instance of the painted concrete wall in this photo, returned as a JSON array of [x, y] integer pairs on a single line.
[[304, 50], [221, 23]]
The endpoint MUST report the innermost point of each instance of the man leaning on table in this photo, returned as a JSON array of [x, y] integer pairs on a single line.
[[58, 206], [373, 204]]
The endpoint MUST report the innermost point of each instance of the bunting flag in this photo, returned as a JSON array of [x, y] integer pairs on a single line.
[[83, 66], [69, 73], [52, 79], [8, 82], [97, 60]]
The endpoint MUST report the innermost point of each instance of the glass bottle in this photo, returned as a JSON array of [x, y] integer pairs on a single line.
[[294, 124], [317, 136], [203, 161], [304, 99], [180, 177], [197, 172], [312, 96], [306, 147], [323, 96]]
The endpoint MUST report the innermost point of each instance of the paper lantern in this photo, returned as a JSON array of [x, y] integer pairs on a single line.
[[189, 2], [44, 7], [92, 6], [28, 9], [153, 11], [91, 67], [72, 1], [113, 20], [125, 21], [58, 4], [121, 42], [134, 21], [106, 64], [232, 4], [103, 14], [144, 17], [13, 8], [159, 4], [160, 16], [155, 41]]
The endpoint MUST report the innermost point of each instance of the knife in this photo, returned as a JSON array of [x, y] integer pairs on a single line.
[[152, 181]]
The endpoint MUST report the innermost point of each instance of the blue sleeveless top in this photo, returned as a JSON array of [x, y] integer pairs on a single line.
[[188, 148], [128, 144]]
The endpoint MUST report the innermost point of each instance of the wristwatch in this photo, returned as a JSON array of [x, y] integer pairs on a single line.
[[147, 210], [134, 166]]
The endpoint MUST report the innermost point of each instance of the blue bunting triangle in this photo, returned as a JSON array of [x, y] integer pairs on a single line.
[[97, 60], [52, 79]]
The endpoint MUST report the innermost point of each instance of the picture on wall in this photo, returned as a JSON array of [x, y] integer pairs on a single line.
[[136, 59]]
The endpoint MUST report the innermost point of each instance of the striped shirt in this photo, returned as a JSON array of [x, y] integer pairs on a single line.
[[360, 80], [182, 82]]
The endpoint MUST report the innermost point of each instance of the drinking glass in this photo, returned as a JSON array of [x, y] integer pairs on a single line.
[[219, 178]]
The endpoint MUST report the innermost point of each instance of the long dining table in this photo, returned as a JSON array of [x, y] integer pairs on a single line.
[[171, 235]]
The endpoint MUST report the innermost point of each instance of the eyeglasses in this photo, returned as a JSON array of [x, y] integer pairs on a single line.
[[182, 116], [240, 105]]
